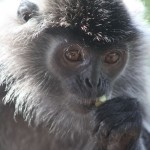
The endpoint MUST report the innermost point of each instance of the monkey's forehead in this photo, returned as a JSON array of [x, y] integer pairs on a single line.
[[102, 20]]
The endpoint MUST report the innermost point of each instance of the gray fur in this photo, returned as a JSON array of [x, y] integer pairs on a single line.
[[30, 86]]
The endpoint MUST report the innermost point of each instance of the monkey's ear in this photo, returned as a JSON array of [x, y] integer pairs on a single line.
[[27, 10]]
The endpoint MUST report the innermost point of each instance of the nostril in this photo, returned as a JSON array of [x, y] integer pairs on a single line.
[[88, 83], [99, 83]]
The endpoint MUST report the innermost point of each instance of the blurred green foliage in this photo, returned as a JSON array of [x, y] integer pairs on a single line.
[[147, 4]]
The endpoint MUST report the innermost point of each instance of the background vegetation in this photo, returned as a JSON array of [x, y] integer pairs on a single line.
[[147, 4]]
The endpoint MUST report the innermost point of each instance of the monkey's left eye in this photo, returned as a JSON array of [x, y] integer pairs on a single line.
[[73, 54], [112, 57], [27, 16], [27, 10]]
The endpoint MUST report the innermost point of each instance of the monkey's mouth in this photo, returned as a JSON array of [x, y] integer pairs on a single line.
[[88, 105], [97, 102]]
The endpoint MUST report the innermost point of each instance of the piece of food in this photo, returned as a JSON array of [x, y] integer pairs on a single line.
[[100, 100]]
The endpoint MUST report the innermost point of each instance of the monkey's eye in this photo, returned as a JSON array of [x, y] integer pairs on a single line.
[[27, 10], [26, 16], [73, 54], [112, 57]]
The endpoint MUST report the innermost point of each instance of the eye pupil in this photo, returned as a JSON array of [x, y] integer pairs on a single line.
[[73, 53], [112, 57], [27, 16]]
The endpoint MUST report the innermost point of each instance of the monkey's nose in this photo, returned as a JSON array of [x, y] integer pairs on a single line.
[[92, 83]]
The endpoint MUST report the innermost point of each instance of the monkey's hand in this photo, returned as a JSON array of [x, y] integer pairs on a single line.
[[118, 124]]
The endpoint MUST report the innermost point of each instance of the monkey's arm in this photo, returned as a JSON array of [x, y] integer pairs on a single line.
[[118, 125]]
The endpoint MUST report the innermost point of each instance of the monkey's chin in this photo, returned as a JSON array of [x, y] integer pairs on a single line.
[[81, 108]]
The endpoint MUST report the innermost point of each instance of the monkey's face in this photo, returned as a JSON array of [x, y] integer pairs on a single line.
[[56, 66], [85, 71]]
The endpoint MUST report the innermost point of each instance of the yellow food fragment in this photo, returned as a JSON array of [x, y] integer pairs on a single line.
[[100, 101]]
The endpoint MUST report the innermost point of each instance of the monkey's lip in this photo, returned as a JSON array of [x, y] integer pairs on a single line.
[[95, 102], [87, 105]]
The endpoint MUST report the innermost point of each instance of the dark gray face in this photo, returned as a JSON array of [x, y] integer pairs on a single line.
[[58, 73], [83, 70]]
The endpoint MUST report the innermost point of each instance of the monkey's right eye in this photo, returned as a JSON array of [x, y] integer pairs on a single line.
[[73, 53]]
